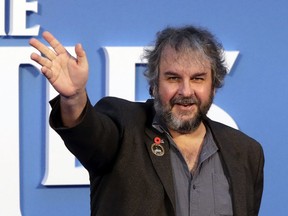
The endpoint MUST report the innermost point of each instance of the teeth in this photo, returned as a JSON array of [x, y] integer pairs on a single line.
[[184, 104]]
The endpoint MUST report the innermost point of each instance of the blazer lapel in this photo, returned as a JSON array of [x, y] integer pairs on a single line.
[[162, 164], [231, 160]]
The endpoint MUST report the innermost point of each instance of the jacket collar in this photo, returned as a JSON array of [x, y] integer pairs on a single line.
[[232, 160]]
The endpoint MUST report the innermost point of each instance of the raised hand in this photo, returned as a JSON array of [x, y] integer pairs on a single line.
[[68, 75]]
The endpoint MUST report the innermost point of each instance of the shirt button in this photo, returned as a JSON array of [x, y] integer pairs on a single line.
[[194, 187]]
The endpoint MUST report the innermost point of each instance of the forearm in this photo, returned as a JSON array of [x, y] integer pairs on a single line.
[[72, 108], [95, 147]]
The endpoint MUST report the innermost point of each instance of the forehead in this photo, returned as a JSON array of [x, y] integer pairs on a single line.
[[184, 57]]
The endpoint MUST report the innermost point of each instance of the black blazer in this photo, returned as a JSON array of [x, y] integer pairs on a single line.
[[113, 142]]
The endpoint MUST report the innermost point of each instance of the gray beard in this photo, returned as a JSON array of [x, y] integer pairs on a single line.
[[176, 124]]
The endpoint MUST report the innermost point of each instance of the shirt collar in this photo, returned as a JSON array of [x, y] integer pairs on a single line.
[[209, 146], [159, 124]]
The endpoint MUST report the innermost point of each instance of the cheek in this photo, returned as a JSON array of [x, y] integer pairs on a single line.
[[204, 94], [166, 94]]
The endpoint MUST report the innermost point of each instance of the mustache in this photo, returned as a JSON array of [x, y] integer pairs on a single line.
[[184, 101]]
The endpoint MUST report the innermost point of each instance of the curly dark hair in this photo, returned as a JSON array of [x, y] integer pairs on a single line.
[[188, 37]]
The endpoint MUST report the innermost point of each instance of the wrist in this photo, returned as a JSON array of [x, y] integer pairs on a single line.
[[72, 107], [75, 98]]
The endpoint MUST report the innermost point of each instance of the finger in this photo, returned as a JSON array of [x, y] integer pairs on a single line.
[[55, 44], [44, 62], [81, 55], [42, 48], [47, 73]]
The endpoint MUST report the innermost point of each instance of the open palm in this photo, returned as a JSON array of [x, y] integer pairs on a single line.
[[68, 75]]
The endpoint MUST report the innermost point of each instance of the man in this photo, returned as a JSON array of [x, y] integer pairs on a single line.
[[163, 157]]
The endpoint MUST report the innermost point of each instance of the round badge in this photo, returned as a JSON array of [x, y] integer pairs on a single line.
[[157, 149]]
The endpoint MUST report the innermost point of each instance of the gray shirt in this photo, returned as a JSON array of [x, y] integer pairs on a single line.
[[206, 193]]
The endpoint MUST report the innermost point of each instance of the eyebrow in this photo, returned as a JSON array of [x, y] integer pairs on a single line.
[[200, 73], [171, 73]]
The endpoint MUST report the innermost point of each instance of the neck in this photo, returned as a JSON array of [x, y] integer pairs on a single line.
[[190, 145]]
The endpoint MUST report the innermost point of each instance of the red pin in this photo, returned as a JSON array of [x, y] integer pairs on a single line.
[[157, 140]]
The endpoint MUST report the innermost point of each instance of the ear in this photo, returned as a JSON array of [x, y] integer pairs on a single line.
[[152, 90]]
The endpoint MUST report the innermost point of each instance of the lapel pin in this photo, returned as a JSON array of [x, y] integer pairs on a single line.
[[157, 148]]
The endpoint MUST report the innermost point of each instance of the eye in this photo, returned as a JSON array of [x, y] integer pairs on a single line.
[[198, 78], [173, 78]]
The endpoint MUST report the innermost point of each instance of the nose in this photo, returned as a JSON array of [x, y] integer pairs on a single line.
[[186, 89]]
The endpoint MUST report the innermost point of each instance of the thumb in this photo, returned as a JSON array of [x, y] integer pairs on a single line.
[[81, 56]]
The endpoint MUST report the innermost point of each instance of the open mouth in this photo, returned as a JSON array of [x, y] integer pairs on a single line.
[[189, 104], [185, 106]]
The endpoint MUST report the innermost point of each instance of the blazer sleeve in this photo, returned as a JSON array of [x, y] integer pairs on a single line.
[[94, 141]]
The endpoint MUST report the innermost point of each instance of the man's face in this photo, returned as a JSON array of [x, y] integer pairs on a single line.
[[185, 91]]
